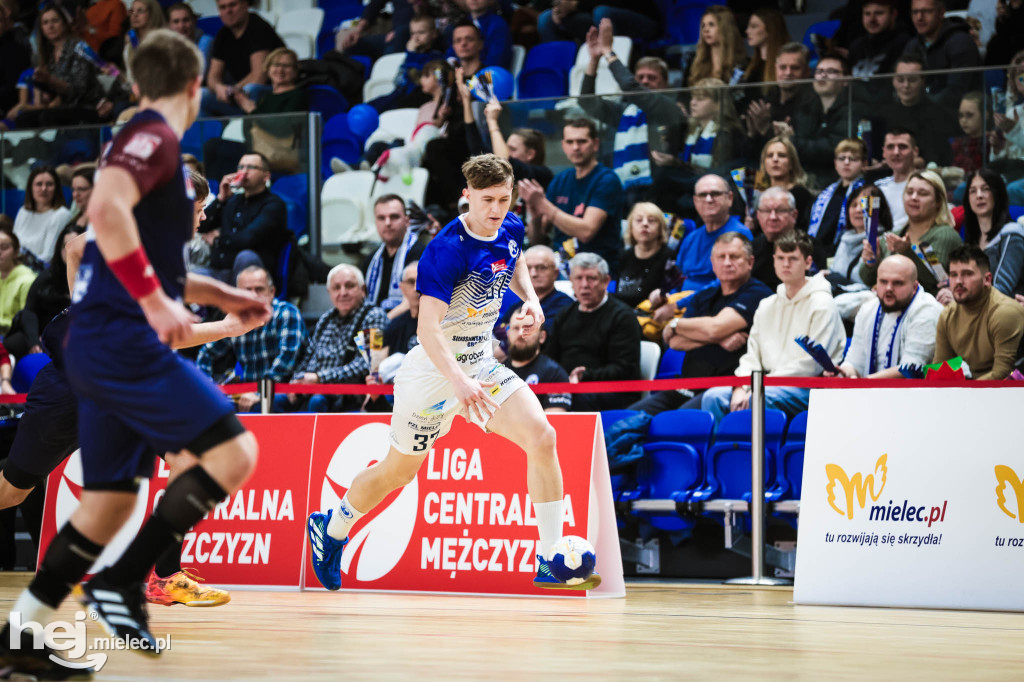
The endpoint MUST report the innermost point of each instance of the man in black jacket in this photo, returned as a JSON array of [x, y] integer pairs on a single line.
[[877, 51], [944, 44], [248, 228], [597, 338]]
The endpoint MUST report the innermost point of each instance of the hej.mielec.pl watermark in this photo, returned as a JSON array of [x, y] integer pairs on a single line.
[[72, 640]]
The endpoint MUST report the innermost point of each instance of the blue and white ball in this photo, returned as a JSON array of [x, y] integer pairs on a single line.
[[572, 560]]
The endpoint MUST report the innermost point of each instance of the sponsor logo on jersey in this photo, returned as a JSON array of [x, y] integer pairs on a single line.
[[436, 408], [474, 312], [469, 357], [471, 340], [498, 266], [142, 145]]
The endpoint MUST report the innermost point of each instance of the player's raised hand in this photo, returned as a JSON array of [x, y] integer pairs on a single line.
[[171, 321]]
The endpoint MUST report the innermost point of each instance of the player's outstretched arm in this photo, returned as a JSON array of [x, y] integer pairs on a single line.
[[247, 306], [208, 332], [114, 196], [73, 253], [470, 393]]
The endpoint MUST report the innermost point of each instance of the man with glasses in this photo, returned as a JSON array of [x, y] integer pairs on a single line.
[[943, 44], [542, 264], [829, 212], [820, 125], [247, 228], [776, 214], [270, 351], [713, 199]]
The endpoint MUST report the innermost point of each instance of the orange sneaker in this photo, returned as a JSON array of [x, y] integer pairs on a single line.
[[183, 588]]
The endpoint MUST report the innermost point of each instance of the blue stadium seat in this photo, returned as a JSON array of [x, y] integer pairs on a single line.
[[609, 417], [197, 134], [825, 29], [790, 460], [283, 271], [335, 13], [727, 464], [13, 199], [671, 365], [210, 24], [546, 69], [326, 100], [26, 369], [346, 149], [1016, 212], [672, 466], [294, 190]]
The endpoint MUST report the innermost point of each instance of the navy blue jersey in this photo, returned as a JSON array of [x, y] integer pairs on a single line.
[[148, 149], [52, 338], [470, 274]]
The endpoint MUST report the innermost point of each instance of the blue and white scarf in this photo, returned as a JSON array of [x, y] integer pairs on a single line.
[[373, 273], [700, 146], [632, 156], [822, 202]]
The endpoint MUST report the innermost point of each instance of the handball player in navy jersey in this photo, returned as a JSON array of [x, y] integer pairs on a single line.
[[462, 276], [136, 396]]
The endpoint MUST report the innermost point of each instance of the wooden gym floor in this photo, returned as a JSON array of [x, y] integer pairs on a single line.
[[659, 631]]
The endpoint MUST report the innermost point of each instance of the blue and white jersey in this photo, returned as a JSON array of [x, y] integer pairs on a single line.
[[471, 274]]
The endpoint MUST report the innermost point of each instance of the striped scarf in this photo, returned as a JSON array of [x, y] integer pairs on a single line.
[[822, 202], [632, 157], [373, 273]]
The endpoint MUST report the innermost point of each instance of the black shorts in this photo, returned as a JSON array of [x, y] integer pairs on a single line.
[[47, 431]]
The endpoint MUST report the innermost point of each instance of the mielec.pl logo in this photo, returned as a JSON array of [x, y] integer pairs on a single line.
[[71, 638], [1008, 486], [858, 486]]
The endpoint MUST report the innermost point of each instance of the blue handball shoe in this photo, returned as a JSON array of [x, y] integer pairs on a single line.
[[548, 581], [325, 550]]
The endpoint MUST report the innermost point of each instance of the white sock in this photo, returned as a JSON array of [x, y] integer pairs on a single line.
[[549, 523], [343, 518], [31, 609]]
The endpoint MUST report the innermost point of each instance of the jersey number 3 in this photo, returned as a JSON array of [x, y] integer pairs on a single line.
[[423, 441]]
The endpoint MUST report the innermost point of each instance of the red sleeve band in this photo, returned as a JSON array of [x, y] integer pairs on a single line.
[[136, 274]]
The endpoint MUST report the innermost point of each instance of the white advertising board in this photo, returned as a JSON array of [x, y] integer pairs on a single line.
[[913, 497]]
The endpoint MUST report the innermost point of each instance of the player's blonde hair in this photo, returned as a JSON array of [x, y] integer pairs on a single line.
[[487, 170]]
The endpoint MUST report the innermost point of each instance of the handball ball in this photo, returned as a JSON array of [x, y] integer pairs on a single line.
[[572, 560]]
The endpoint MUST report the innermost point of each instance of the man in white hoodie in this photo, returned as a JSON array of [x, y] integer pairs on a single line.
[[802, 306]]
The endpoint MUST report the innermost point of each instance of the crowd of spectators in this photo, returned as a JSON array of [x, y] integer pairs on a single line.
[[779, 251]]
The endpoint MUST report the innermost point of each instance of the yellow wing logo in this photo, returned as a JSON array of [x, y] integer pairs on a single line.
[[473, 312], [859, 486], [1007, 480]]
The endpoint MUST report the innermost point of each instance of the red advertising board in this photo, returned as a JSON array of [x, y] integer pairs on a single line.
[[465, 525], [255, 537]]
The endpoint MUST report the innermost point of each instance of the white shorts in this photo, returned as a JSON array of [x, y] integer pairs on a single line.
[[425, 403]]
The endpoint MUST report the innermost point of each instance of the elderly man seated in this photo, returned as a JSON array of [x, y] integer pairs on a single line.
[[332, 356]]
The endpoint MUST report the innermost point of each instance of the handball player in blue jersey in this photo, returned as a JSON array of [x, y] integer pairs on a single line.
[[136, 396], [462, 276]]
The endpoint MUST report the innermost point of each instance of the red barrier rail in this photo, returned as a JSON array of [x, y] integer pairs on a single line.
[[621, 386]]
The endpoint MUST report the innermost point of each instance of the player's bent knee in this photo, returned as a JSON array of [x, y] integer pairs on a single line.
[[540, 439]]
